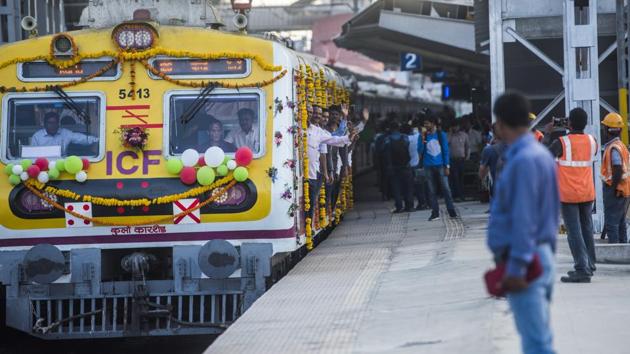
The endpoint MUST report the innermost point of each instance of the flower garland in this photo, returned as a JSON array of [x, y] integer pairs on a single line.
[[302, 115], [101, 221], [323, 219], [114, 202]]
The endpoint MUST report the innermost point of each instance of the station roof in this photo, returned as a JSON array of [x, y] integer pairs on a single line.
[[382, 31]]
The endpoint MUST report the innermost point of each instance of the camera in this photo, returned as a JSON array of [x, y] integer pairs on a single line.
[[561, 122]]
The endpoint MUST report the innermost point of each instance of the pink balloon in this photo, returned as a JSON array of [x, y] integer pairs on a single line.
[[243, 156], [33, 171], [86, 164], [42, 163], [188, 175], [202, 161]]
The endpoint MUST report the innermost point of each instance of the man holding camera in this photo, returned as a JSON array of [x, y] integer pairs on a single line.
[[575, 153]]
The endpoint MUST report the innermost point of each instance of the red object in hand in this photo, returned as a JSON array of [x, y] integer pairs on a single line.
[[86, 164], [33, 171], [188, 175], [494, 277], [42, 163], [243, 156]]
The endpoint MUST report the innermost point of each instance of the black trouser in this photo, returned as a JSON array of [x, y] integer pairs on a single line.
[[401, 181], [419, 187], [456, 178]]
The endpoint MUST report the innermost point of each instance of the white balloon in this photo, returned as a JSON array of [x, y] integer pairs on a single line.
[[190, 157], [23, 176], [81, 176], [214, 156], [231, 164], [43, 177], [17, 170]]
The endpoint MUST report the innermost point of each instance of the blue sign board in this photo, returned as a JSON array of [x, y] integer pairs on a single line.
[[410, 62]]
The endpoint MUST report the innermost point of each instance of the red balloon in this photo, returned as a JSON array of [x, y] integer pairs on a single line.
[[202, 161], [243, 156], [42, 163], [188, 175], [86, 164], [33, 171]]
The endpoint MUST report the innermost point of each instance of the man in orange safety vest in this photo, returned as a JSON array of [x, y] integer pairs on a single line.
[[537, 133]]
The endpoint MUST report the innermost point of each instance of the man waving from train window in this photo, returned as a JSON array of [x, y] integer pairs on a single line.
[[52, 135]]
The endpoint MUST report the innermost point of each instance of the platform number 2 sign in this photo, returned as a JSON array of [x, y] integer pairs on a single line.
[[410, 62]]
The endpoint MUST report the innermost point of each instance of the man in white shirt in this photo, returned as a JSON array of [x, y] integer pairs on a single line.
[[52, 135], [247, 133]]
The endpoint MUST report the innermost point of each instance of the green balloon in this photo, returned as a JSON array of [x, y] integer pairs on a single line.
[[8, 169], [26, 164], [14, 180], [241, 174], [60, 165], [174, 166], [226, 159], [205, 176], [73, 164], [222, 170], [53, 173]]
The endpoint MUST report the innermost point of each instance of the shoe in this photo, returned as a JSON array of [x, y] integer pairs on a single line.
[[573, 273], [434, 217], [452, 213], [397, 211], [409, 210], [421, 207], [577, 278]]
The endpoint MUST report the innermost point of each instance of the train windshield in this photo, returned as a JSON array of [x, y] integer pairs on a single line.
[[229, 121], [49, 126]]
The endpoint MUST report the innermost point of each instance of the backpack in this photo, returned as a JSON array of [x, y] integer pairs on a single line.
[[399, 152]]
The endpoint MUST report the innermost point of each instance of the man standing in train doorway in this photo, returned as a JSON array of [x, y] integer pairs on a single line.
[[575, 153], [524, 219]]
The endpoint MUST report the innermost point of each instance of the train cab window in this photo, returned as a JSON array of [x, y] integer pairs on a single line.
[[44, 125], [227, 119]]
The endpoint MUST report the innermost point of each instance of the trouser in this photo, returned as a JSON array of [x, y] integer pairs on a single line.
[[435, 175], [530, 307], [313, 194], [385, 183], [419, 190], [456, 177], [615, 209], [401, 181], [579, 223]]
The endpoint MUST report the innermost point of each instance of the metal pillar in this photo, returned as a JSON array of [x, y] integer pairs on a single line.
[[497, 67], [622, 64], [581, 77]]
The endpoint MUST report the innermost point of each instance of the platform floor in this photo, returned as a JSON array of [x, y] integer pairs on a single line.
[[401, 284]]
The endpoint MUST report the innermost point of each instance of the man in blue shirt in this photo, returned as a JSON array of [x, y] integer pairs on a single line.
[[435, 156], [524, 219], [398, 171]]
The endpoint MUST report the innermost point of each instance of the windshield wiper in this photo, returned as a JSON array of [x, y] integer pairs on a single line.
[[70, 103], [192, 110]]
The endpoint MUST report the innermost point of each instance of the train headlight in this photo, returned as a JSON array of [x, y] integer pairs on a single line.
[[62, 45], [134, 36]]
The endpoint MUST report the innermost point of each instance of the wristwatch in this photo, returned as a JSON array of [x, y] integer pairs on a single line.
[[448, 166]]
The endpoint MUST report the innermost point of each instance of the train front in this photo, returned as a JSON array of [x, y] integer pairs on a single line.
[[147, 185]]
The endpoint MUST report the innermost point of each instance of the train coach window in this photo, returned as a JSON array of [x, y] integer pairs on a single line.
[[45, 125], [225, 118]]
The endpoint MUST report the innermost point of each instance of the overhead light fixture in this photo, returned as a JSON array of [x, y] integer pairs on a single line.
[[134, 36]]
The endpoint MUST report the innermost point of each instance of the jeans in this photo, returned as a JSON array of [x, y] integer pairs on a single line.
[[615, 216], [401, 181], [531, 307], [457, 177], [419, 190], [579, 223], [435, 175], [313, 191]]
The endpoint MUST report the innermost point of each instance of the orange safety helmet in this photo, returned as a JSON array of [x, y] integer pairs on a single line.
[[613, 120]]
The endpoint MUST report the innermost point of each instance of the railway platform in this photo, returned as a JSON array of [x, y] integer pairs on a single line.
[[397, 283]]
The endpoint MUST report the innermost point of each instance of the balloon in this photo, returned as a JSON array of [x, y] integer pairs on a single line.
[[42, 163], [17, 170], [190, 157], [26, 163], [33, 171], [14, 180], [226, 159], [81, 176], [205, 176], [43, 177], [231, 165], [241, 174], [201, 161], [53, 173], [8, 169], [73, 164], [243, 156], [188, 175], [174, 166], [222, 170], [214, 156], [61, 165], [24, 176], [86, 163]]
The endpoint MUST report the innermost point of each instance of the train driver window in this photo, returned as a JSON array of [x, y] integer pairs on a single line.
[[228, 121], [43, 125]]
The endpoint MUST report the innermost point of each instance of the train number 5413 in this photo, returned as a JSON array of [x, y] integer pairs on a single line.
[[139, 93]]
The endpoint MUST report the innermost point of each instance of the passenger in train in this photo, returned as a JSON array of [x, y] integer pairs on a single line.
[[53, 135], [247, 133], [215, 137]]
